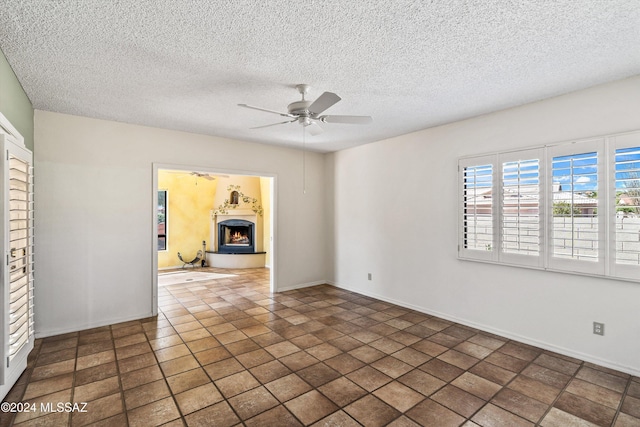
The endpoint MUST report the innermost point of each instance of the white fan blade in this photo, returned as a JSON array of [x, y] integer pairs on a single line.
[[355, 120], [275, 124], [264, 109], [323, 102], [314, 128]]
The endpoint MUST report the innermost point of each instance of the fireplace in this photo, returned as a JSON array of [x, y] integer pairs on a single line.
[[236, 236]]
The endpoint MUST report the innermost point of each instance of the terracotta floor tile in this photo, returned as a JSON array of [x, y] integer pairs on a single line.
[[311, 407], [342, 391], [486, 341], [282, 349], [202, 344], [197, 398], [507, 362], [558, 418], [323, 351], [631, 406], [403, 421], [431, 414], [278, 416], [371, 411], [585, 409], [520, 351], [339, 418], [318, 374], [187, 380], [442, 370], [534, 389], [492, 373], [95, 390], [236, 384], [492, 415], [458, 400], [603, 379], [298, 361], [421, 382], [344, 363], [556, 364], [227, 349], [145, 394], [398, 396], [410, 356], [369, 378], [595, 393], [179, 365], [478, 386], [254, 358], [474, 350], [458, 359], [270, 371], [99, 409], [367, 354], [97, 373], [48, 386], [237, 342], [625, 420], [546, 375], [287, 387], [524, 406]]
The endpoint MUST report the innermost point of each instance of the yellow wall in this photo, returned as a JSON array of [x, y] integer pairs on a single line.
[[189, 217]]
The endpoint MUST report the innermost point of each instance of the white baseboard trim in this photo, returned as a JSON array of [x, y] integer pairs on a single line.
[[302, 285], [506, 334], [88, 325]]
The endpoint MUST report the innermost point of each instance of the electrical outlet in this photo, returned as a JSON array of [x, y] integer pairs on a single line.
[[598, 328], [369, 276]]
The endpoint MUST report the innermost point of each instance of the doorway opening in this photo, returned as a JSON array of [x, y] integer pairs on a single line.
[[222, 220]]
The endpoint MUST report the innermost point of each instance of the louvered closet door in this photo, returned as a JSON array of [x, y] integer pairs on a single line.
[[20, 282], [17, 191]]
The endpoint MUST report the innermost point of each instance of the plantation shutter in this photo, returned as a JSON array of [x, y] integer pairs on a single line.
[[20, 257], [624, 198], [477, 223], [576, 225], [521, 225]]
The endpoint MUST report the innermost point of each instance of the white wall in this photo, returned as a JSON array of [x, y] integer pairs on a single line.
[[94, 210], [404, 191]]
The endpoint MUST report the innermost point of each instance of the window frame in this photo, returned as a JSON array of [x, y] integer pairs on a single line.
[[624, 271], [605, 266], [522, 259], [166, 220]]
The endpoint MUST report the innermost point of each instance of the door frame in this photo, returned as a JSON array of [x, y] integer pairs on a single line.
[[220, 171]]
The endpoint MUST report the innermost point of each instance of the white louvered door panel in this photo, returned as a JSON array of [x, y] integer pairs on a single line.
[[17, 272]]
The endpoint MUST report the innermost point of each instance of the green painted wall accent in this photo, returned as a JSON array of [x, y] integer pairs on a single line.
[[14, 102]]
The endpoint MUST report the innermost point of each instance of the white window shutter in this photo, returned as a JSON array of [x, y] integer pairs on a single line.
[[521, 230], [576, 207], [624, 201], [478, 208]]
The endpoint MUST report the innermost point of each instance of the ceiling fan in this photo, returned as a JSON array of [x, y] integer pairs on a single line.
[[307, 113], [207, 176]]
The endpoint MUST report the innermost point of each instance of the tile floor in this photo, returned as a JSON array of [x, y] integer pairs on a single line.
[[227, 352]]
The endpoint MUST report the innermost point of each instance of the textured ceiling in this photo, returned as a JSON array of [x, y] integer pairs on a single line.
[[411, 65]]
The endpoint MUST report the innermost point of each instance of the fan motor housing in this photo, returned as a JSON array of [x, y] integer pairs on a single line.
[[299, 108]]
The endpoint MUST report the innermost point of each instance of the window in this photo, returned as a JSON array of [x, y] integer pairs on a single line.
[[520, 219], [162, 220], [477, 215], [572, 207]]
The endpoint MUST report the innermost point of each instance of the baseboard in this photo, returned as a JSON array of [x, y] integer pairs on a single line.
[[506, 334], [89, 325], [302, 285]]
